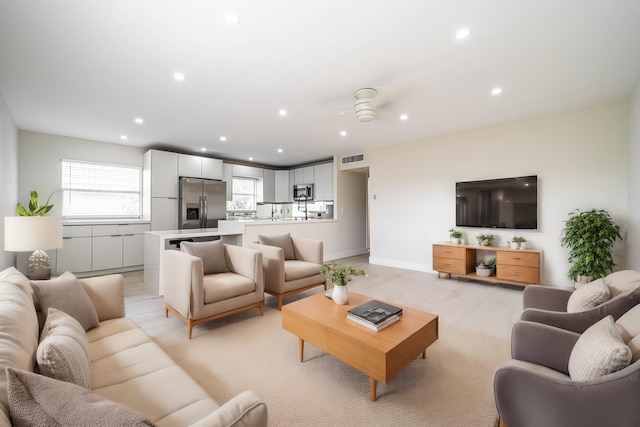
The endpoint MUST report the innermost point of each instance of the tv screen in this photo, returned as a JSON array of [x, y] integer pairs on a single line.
[[498, 203]]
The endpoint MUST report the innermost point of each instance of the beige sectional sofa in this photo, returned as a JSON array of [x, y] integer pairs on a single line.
[[126, 365]]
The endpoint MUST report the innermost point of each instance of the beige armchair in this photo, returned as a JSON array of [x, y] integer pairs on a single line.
[[209, 280], [291, 264]]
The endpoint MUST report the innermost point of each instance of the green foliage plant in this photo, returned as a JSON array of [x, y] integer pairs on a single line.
[[455, 234], [590, 236], [485, 239], [339, 274], [35, 208], [518, 239]]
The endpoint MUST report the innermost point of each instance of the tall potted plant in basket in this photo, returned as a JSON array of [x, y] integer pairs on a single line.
[[340, 276], [590, 236]]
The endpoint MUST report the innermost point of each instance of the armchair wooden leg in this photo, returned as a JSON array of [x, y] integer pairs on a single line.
[[189, 327], [280, 302], [166, 311], [502, 423]]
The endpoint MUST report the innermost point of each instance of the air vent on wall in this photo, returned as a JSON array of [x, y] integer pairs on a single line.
[[352, 159]]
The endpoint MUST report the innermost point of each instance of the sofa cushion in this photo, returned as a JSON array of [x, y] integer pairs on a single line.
[[63, 352], [66, 294], [212, 254], [18, 329], [282, 241], [588, 296], [294, 270], [36, 400], [622, 281], [628, 326], [599, 351], [224, 286]]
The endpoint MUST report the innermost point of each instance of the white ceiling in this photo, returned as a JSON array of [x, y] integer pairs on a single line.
[[87, 68]]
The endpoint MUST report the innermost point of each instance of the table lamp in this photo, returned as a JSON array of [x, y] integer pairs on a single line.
[[34, 233]]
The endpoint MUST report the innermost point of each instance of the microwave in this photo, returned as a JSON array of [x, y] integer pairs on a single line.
[[303, 192]]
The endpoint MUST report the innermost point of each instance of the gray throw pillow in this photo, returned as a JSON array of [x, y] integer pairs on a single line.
[[599, 351], [282, 241], [211, 253], [36, 400], [63, 352], [66, 294]]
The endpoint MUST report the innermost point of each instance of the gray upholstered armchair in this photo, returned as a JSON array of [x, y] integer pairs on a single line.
[[291, 264], [536, 388], [548, 305], [210, 280]]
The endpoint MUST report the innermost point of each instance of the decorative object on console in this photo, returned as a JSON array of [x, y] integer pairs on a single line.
[[34, 233], [456, 236], [518, 242], [486, 269], [590, 236], [485, 239], [340, 276]]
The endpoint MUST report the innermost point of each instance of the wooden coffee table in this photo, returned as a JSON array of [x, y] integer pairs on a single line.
[[380, 355]]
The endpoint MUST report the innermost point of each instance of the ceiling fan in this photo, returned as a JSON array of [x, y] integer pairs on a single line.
[[364, 106]]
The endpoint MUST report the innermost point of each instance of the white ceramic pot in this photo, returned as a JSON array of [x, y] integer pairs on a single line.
[[340, 294], [523, 245], [515, 245], [455, 240], [483, 272]]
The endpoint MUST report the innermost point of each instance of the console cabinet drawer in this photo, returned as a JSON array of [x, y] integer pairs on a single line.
[[525, 259], [448, 252], [449, 265], [530, 275]]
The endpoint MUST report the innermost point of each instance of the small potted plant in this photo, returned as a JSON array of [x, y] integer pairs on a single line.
[[485, 239], [456, 236], [340, 275], [518, 242], [486, 268]]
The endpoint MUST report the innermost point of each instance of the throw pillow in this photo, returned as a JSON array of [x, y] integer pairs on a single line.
[[282, 241], [599, 351], [588, 296], [211, 253], [66, 294], [63, 352], [629, 327], [35, 400]]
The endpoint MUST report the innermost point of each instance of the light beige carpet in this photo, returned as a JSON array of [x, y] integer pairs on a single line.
[[453, 386]]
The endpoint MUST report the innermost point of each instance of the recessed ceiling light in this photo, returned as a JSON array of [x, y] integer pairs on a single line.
[[343, 133], [280, 150], [179, 76], [251, 159], [123, 136], [223, 138], [403, 117], [232, 18], [282, 112], [463, 33], [203, 149], [138, 120], [496, 91]]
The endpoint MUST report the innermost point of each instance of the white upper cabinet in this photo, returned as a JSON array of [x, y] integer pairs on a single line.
[[227, 177], [164, 173], [199, 167], [248, 171], [282, 187], [269, 185], [303, 175], [323, 181]]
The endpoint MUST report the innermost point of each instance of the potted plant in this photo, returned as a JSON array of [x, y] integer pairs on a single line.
[[590, 236], [35, 209], [340, 275], [486, 269], [455, 236], [485, 239], [518, 242]]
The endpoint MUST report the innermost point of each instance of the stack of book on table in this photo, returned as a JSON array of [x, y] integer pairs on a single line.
[[375, 315]]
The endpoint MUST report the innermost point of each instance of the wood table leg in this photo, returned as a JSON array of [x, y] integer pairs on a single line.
[[424, 354], [373, 388], [301, 348]]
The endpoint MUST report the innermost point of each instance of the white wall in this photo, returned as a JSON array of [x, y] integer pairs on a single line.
[[580, 158], [8, 175], [39, 159], [633, 238]]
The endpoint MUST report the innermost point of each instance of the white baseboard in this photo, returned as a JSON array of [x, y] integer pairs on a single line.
[[427, 268], [345, 254]]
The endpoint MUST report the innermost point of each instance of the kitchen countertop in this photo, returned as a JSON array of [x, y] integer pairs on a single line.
[[104, 221]]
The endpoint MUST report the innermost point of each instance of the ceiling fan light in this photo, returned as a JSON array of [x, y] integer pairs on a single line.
[[365, 117]]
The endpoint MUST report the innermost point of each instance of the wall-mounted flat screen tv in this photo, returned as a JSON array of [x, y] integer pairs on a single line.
[[498, 203]]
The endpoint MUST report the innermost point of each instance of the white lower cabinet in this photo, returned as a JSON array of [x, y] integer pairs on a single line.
[[132, 250], [107, 252], [75, 254]]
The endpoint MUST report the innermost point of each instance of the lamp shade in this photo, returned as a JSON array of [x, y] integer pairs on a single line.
[[28, 233]]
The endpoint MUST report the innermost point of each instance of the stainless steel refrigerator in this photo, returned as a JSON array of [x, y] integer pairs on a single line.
[[202, 203]]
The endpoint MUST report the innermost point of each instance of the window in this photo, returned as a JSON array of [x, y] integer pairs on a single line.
[[95, 190], [245, 194]]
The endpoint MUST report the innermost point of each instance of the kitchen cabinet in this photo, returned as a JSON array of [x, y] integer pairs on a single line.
[[513, 266], [117, 246], [323, 175], [248, 171], [75, 254], [227, 176], [303, 175], [164, 213], [163, 171], [199, 167], [269, 185], [282, 187]]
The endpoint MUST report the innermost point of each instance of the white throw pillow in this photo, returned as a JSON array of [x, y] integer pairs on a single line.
[[588, 296], [629, 327], [599, 351]]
